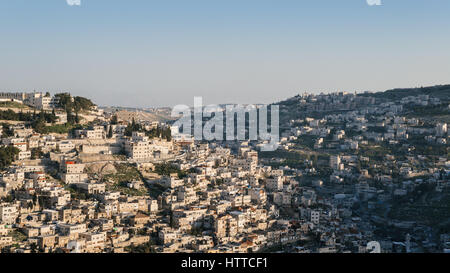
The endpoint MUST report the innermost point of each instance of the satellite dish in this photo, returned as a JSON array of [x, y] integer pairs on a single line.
[[373, 247]]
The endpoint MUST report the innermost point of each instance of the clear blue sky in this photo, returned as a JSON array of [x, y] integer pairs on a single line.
[[165, 52]]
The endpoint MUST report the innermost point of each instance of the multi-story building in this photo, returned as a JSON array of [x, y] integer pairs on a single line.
[[94, 132], [35, 99], [19, 96], [441, 129], [274, 183], [8, 214], [65, 146], [335, 162], [72, 173], [41, 101], [138, 147]]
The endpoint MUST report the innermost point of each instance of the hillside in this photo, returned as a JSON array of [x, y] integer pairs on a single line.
[[318, 106], [141, 116], [438, 91]]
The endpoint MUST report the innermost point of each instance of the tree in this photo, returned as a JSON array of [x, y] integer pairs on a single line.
[[7, 156], [36, 153], [158, 132], [39, 126], [110, 132], [54, 115], [132, 127], [33, 248], [41, 202], [7, 131], [65, 101], [81, 103], [114, 120]]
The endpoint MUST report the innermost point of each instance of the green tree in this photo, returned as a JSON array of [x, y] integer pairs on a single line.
[[110, 132], [36, 153], [114, 120], [7, 156]]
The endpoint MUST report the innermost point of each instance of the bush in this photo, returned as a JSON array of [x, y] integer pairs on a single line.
[[7, 156]]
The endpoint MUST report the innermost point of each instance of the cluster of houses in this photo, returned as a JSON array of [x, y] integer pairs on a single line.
[[37, 100], [221, 197]]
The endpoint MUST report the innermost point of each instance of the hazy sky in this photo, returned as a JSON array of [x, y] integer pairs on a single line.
[[165, 52]]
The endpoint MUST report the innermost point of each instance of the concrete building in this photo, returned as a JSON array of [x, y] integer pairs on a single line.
[[441, 129], [72, 172], [8, 214]]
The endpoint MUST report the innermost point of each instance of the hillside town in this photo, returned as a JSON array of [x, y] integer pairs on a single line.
[[350, 169]]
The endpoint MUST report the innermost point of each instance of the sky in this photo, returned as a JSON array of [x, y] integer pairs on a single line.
[[148, 53]]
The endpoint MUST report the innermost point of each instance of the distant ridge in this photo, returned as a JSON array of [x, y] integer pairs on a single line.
[[439, 91], [300, 107]]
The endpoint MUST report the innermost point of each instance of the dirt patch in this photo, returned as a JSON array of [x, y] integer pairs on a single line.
[[101, 168]]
